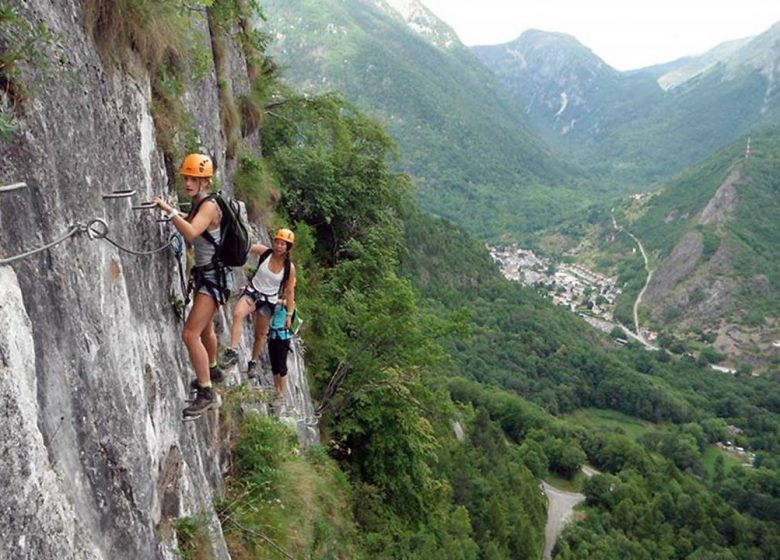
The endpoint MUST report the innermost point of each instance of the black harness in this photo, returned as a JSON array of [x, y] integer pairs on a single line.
[[219, 290]]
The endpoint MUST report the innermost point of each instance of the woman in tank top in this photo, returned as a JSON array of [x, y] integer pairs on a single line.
[[212, 283], [262, 293]]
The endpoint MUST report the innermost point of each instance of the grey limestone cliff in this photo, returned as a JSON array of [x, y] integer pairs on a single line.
[[96, 460]]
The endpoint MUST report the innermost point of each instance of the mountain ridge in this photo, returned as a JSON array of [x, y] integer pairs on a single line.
[[471, 151], [648, 124]]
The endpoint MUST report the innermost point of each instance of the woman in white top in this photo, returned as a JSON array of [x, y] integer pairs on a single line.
[[265, 288]]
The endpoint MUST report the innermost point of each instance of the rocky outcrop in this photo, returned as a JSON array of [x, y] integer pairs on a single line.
[[722, 204], [686, 280], [676, 268], [96, 460]]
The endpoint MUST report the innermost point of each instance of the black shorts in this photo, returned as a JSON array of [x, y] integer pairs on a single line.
[[277, 352]]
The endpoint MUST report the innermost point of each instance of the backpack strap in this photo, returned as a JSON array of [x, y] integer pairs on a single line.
[[194, 210], [267, 253]]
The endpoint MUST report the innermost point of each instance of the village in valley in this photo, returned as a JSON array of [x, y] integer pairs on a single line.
[[570, 285]]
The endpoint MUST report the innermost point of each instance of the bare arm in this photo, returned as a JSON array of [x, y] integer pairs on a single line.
[[207, 214], [258, 248]]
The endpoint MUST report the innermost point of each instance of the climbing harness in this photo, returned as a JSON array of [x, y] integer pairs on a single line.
[[218, 290]]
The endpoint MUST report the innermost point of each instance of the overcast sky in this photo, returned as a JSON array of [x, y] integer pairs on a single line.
[[625, 34]]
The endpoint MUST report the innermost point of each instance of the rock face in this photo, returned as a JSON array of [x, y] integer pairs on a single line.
[[96, 460], [686, 280]]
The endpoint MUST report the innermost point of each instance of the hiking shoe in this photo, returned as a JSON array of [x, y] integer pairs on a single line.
[[216, 374], [250, 369], [203, 402], [194, 386], [229, 357]]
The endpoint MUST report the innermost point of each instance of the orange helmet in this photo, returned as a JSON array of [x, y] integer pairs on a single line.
[[197, 165], [285, 235]]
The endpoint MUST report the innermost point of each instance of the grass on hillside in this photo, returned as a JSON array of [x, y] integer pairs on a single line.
[[280, 500], [567, 485], [712, 452], [611, 420]]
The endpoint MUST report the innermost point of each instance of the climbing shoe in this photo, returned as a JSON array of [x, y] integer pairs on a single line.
[[229, 357], [216, 375], [215, 372], [194, 385], [205, 400], [251, 369]]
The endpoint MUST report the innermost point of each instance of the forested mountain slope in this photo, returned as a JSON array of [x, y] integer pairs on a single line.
[[398, 353], [646, 124], [446, 338], [575, 100], [468, 147], [668, 491], [714, 233], [710, 235]]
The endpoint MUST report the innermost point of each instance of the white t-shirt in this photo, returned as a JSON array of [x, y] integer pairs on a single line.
[[267, 282]]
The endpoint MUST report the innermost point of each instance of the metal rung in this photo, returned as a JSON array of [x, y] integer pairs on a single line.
[[13, 187], [145, 206], [120, 194]]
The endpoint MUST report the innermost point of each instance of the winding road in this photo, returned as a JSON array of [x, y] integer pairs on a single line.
[[637, 335], [647, 282], [560, 506], [559, 510]]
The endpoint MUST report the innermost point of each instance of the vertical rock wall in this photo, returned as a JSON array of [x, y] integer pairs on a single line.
[[96, 460]]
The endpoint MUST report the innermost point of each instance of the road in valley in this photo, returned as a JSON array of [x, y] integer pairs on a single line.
[[560, 506], [637, 333], [559, 509], [647, 282]]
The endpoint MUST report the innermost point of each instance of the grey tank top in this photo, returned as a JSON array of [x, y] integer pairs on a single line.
[[204, 251]]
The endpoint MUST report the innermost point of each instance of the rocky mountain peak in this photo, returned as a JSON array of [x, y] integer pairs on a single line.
[[422, 21], [554, 75], [554, 49]]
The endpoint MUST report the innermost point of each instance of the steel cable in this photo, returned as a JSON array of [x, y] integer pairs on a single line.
[[75, 229], [95, 229]]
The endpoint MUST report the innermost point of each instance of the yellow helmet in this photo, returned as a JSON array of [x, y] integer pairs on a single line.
[[285, 235], [197, 165]]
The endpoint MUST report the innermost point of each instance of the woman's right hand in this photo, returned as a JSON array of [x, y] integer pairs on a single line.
[[162, 204], [167, 208]]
